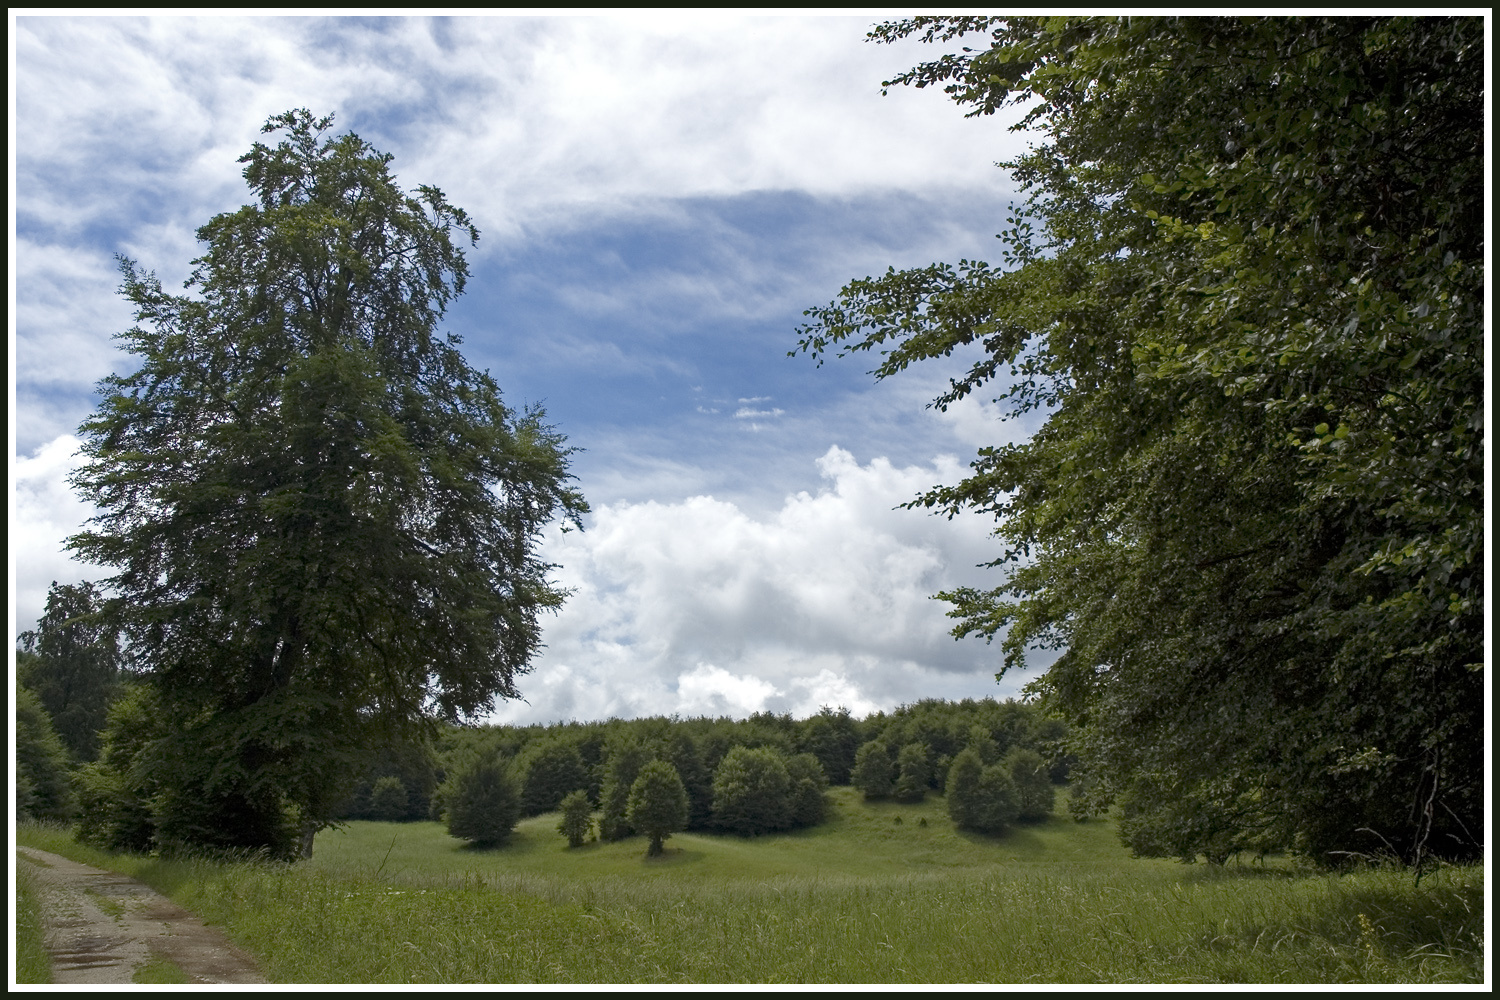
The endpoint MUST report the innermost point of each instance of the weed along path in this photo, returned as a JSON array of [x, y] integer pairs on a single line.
[[104, 927]]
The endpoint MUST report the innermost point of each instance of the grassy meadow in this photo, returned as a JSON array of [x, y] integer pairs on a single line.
[[883, 893]]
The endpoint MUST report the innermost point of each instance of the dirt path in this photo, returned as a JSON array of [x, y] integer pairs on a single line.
[[102, 925]]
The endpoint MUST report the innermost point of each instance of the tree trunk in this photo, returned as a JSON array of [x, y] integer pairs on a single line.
[[309, 830]]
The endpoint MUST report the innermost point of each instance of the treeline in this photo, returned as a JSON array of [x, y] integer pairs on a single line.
[[93, 749], [751, 776]]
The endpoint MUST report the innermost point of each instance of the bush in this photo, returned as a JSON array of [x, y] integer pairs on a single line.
[[658, 804], [911, 763], [626, 759], [577, 818], [547, 770], [1033, 779], [963, 788], [982, 799], [483, 804], [808, 783], [41, 763], [114, 796], [752, 792], [388, 799], [872, 771], [996, 804]]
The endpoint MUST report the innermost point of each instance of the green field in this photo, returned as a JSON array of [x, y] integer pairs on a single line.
[[862, 898]]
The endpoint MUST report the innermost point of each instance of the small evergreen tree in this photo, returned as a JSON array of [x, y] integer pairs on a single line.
[[872, 771], [577, 818], [684, 755], [483, 803], [658, 804]]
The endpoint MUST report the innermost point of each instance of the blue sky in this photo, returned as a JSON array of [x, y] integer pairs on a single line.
[[659, 199]]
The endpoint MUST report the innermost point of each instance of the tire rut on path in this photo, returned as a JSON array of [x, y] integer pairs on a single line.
[[101, 926]]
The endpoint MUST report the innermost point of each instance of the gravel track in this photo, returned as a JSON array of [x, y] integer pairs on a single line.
[[101, 926]]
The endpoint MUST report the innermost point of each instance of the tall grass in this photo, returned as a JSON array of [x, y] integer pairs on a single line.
[[33, 964], [863, 900]]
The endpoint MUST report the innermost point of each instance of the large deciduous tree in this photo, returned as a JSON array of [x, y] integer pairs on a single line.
[[1246, 291], [323, 521]]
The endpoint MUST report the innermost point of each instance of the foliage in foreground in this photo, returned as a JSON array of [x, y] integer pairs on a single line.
[[540, 912], [1247, 292], [33, 964]]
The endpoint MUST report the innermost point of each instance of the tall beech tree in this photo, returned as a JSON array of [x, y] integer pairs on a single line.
[[323, 521], [1245, 292]]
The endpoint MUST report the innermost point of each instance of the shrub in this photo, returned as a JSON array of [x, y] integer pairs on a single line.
[[388, 799], [1033, 779], [752, 792], [872, 771], [547, 770], [577, 818], [483, 804], [114, 796], [41, 763], [911, 763], [982, 799], [658, 803], [626, 759], [963, 788], [808, 783], [996, 804]]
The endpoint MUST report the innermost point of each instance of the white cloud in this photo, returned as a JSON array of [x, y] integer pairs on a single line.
[[44, 512], [694, 607], [518, 118], [700, 608]]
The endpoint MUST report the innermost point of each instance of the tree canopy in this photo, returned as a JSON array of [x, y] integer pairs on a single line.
[[72, 660], [1245, 289], [323, 520]]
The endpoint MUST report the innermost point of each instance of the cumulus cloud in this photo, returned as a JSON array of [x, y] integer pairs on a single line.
[[695, 607], [698, 607]]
